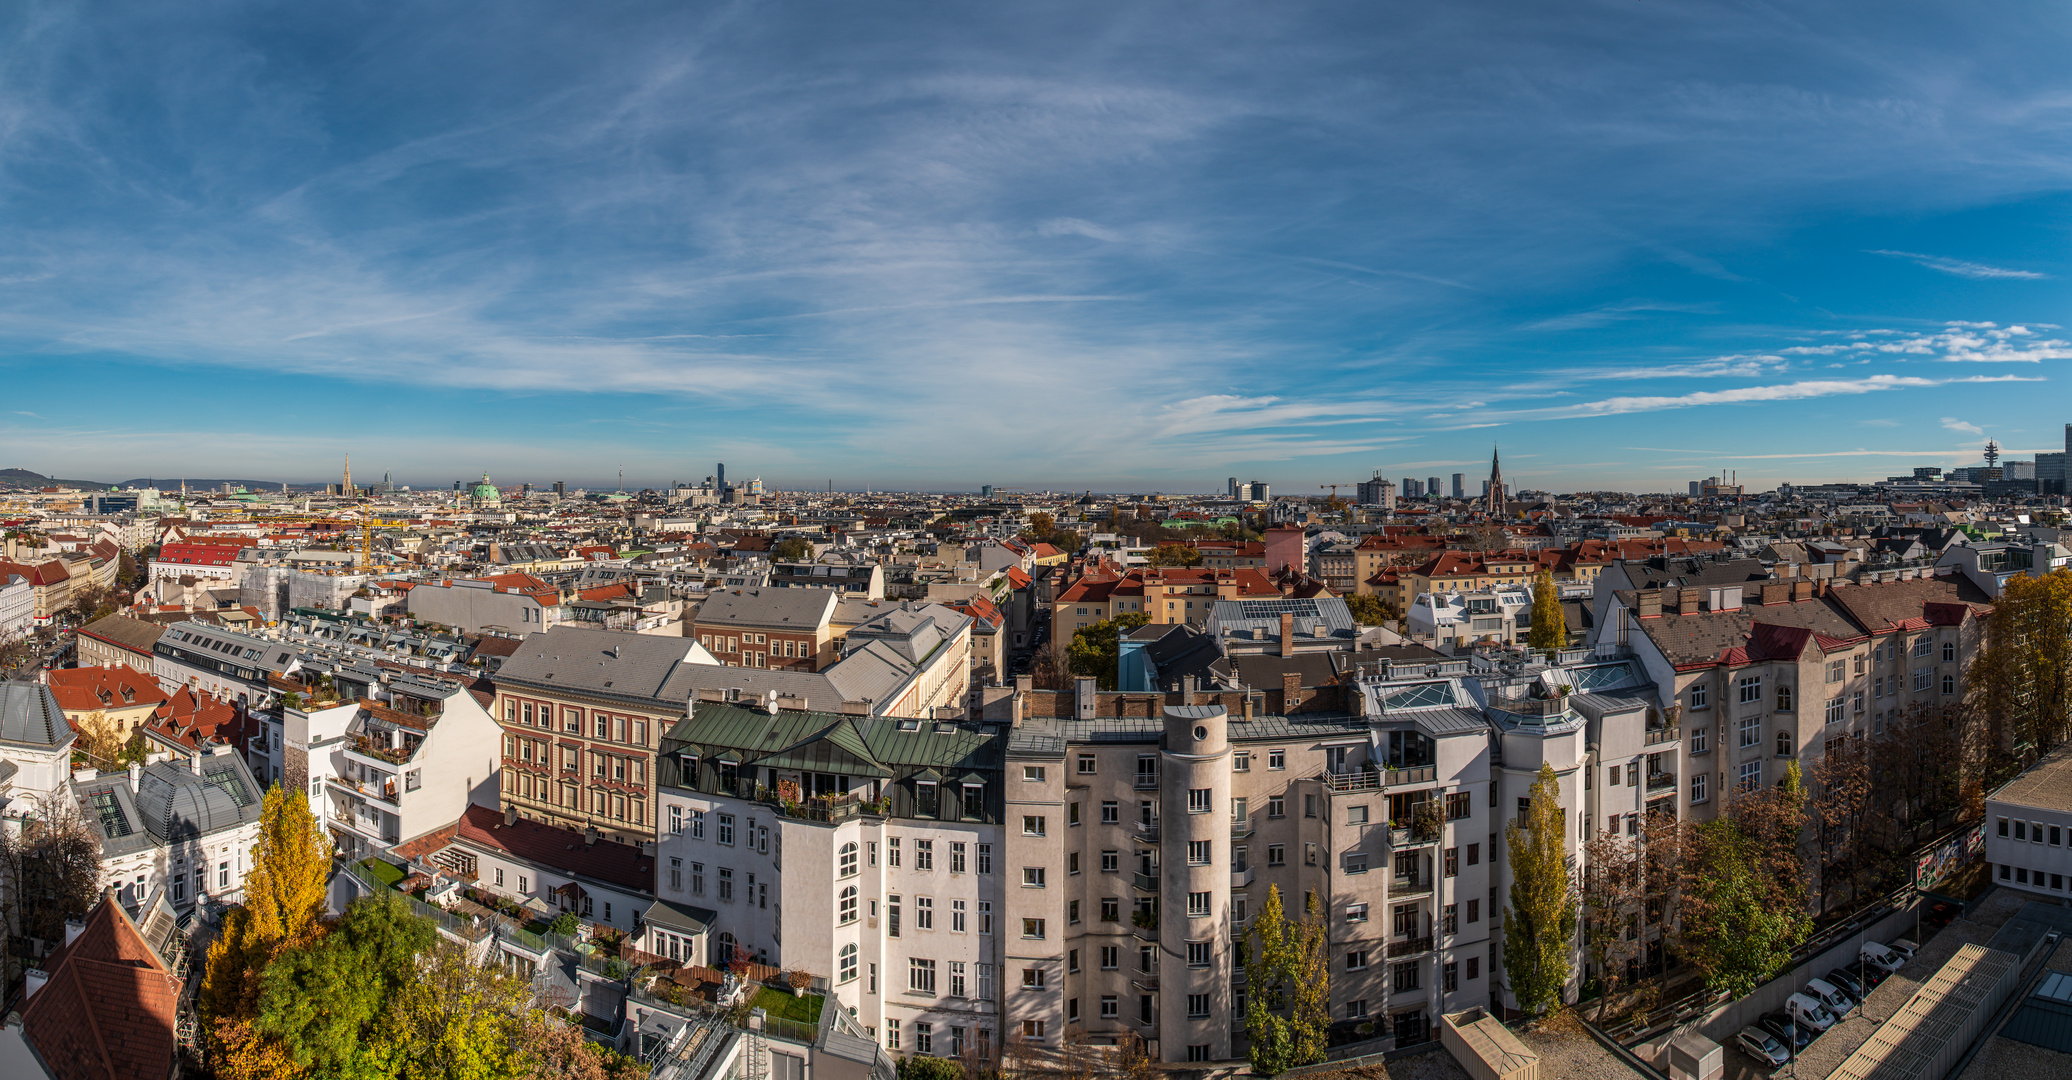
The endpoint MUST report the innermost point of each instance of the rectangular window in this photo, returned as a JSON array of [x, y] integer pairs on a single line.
[[1032, 825], [892, 1035], [1276, 855], [1032, 928], [1356, 960], [956, 856], [1355, 913], [985, 858], [921, 975], [985, 916], [1032, 774], [924, 913], [1111, 861], [1197, 1006], [1751, 730], [1837, 709], [1197, 905], [1198, 800], [1198, 953], [1751, 775], [726, 829], [1032, 877], [1276, 759], [1355, 862], [1276, 806], [1111, 813], [1474, 854], [1241, 761], [1751, 689], [1837, 670], [1449, 977], [1697, 695], [1475, 910], [892, 851], [1072, 814], [726, 884], [1088, 764], [1109, 1007], [1697, 788], [1356, 815], [1474, 968], [1198, 853], [892, 915], [924, 854], [956, 978]]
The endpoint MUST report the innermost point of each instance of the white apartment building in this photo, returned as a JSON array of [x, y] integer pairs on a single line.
[[189, 826], [37, 742], [1446, 620], [881, 836], [2029, 828], [17, 606], [382, 775]]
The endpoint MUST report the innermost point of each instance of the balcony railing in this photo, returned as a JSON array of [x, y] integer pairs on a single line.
[[1146, 882], [380, 792], [1407, 887], [1147, 831], [1356, 780], [1402, 836], [1242, 830], [1661, 781], [1657, 736], [1409, 947], [1241, 877]]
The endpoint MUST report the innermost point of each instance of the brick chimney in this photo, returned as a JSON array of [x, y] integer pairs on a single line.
[[1291, 692], [1287, 634], [1647, 602], [1776, 592]]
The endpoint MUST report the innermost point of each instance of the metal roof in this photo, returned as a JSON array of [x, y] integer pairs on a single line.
[[1946, 1010], [30, 716]]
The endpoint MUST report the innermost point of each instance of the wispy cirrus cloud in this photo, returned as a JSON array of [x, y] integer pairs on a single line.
[[1962, 268], [1951, 423]]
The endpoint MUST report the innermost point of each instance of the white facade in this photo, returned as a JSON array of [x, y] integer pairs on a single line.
[[903, 916], [17, 607], [2028, 828], [1456, 618], [389, 775], [187, 825]]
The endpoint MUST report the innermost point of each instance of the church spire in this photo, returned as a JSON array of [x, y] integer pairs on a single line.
[[1493, 500]]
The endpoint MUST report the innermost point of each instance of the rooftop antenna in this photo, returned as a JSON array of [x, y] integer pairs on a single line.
[[1992, 453]]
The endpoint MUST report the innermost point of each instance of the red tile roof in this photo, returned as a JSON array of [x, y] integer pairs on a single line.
[[107, 1012], [88, 689], [199, 554], [559, 849], [190, 714]]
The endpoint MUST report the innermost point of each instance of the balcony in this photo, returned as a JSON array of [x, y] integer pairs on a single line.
[[1242, 830], [1657, 736], [1407, 836], [1351, 781], [1403, 888], [1661, 781], [1409, 947], [1241, 877], [1146, 882], [382, 793], [1146, 831]]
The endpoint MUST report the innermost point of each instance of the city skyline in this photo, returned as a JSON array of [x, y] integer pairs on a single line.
[[1638, 246]]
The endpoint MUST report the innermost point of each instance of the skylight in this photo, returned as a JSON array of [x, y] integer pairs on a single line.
[[114, 822], [1419, 696]]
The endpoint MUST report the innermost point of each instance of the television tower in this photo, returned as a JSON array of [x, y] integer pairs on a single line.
[[1992, 453]]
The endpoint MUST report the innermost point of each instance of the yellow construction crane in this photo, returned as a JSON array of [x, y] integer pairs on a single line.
[[1334, 489], [367, 527]]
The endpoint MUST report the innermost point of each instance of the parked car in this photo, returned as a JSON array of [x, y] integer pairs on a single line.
[[1941, 914], [1830, 995], [1904, 948], [1845, 980], [1761, 1045], [1781, 1024], [1882, 957], [1809, 1011]]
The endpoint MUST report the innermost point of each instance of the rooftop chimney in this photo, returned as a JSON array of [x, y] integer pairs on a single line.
[[510, 815], [1287, 634], [74, 928], [1083, 697], [37, 977], [136, 773]]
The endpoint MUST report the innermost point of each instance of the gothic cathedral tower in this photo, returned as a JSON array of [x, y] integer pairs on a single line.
[[1493, 501]]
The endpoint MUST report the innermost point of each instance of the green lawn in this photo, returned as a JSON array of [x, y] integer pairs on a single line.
[[388, 873], [780, 1005]]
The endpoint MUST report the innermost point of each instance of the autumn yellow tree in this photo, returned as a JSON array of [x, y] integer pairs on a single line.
[[1549, 624], [283, 910], [101, 738], [2022, 679]]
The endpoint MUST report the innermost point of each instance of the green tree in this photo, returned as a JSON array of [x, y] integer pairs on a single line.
[[325, 1004], [1734, 930], [791, 549], [1540, 923], [1092, 651], [1287, 965], [1175, 555], [1549, 625], [929, 1068], [1368, 610], [2022, 679]]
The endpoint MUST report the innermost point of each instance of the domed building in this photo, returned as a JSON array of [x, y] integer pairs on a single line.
[[186, 825], [35, 749]]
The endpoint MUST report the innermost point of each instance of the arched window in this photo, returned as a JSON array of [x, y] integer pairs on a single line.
[[848, 860], [723, 951], [1784, 744], [848, 968], [848, 905], [1949, 684], [1784, 699]]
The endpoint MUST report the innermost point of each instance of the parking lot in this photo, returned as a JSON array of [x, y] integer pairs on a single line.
[[1824, 1054]]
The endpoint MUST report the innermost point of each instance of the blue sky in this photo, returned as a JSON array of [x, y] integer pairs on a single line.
[[1100, 246]]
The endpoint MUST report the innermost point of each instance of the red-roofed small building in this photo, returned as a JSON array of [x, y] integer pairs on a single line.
[[121, 693], [602, 880], [1180, 595], [103, 1007], [216, 561]]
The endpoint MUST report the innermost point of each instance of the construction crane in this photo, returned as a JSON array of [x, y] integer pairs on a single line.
[[367, 527], [1334, 489]]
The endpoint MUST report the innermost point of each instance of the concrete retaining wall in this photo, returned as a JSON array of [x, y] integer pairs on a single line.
[[1720, 1024]]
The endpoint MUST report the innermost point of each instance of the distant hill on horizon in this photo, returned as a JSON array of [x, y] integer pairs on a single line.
[[195, 485]]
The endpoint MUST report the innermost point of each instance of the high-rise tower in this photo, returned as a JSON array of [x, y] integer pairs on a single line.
[[346, 487], [1493, 501]]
